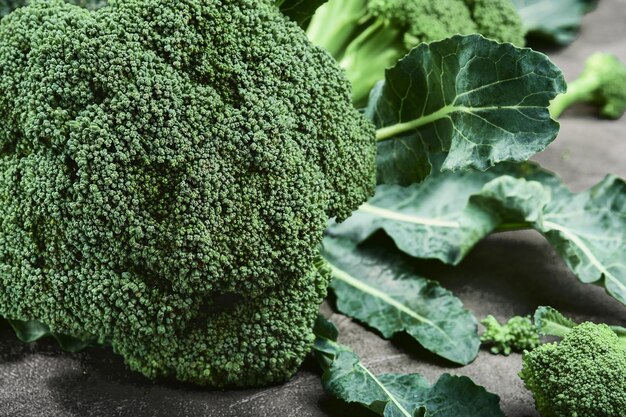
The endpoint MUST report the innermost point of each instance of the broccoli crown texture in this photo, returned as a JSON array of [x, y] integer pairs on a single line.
[[582, 376], [517, 334], [167, 170], [7, 6], [427, 20]]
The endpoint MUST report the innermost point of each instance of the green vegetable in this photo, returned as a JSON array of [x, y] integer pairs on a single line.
[[368, 36], [602, 83], [7, 6], [167, 170], [556, 21], [299, 10], [380, 287], [582, 376], [550, 322], [518, 334], [31, 331], [396, 395], [446, 215], [469, 100]]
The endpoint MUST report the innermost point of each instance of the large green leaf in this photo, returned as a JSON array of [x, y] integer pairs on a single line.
[[478, 101], [444, 217], [556, 21], [378, 286], [398, 395]]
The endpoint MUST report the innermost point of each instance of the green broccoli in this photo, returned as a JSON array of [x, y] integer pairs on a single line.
[[368, 36], [602, 83], [518, 334], [7, 6], [167, 170], [582, 376]]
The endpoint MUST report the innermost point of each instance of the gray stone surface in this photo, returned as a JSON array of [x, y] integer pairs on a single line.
[[507, 274]]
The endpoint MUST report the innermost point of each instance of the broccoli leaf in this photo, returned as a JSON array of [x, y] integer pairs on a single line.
[[556, 21], [378, 286], [31, 331], [300, 10], [444, 217], [398, 395], [478, 101], [550, 322]]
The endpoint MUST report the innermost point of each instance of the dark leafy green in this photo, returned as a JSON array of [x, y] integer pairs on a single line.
[[556, 21], [475, 100], [444, 217], [379, 286], [397, 395]]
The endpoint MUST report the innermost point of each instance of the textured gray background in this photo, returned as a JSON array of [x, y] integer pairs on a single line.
[[507, 274]]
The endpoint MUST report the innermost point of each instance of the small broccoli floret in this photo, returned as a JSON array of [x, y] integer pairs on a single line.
[[167, 170], [602, 83], [582, 376], [518, 334], [368, 36]]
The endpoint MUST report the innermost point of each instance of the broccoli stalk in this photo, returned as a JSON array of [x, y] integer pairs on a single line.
[[602, 83], [368, 36]]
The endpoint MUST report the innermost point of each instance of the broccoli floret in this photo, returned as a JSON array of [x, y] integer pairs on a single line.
[[602, 83], [7, 6], [518, 334], [582, 376], [368, 36], [167, 170]]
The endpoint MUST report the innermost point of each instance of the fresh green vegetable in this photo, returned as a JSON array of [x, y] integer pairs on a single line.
[[551, 322], [555, 21], [378, 286], [167, 170], [582, 376], [7, 6], [368, 36], [169, 189], [446, 215], [402, 395], [31, 331], [468, 100], [299, 10], [518, 334], [602, 83]]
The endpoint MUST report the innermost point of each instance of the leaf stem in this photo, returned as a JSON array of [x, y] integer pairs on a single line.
[[388, 132]]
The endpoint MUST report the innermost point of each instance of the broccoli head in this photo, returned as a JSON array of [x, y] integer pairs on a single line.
[[602, 83], [517, 334], [7, 6], [167, 170], [368, 36], [582, 376]]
